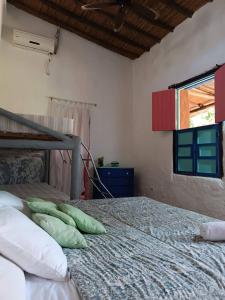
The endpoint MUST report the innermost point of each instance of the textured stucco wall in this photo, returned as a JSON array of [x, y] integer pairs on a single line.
[[195, 46]]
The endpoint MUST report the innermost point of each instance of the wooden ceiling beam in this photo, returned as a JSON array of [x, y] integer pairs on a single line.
[[201, 91], [204, 107], [177, 7], [70, 28], [127, 24], [96, 26], [200, 95], [206, 90], [146, 15]]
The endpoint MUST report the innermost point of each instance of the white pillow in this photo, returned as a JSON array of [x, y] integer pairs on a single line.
[[30, 247], [12, 281], [10, 200]]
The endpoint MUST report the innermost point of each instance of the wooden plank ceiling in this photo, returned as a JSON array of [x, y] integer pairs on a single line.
[[201, 97], [139, 33]]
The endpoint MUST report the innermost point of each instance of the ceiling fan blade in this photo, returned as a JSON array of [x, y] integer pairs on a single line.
[[120, 18], [150, 13], [154, 12], [99, 5]]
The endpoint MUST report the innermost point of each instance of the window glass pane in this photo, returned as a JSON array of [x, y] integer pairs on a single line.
[[185, 138], [206, 136], [184, 151], [206, 166], [185, 165], [207, 151]]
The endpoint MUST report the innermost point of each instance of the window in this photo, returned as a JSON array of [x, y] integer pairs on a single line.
[[198, 151], [206, 101], [196, 103], [189, 108]]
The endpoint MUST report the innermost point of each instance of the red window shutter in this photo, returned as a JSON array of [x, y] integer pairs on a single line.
[[220, 94], [163, 110]]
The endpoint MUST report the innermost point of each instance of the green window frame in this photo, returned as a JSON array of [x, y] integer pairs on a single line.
[[198, 151]]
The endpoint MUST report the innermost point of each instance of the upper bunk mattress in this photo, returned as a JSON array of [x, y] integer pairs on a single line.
[[64, 125]]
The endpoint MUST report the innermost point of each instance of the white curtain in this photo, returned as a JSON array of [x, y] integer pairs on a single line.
[[60, 171], [2, 9]]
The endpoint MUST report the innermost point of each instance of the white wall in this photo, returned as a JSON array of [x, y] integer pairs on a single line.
[[81, 71], [195, 46]]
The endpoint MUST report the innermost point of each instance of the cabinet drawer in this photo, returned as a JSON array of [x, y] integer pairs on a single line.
[[113, 181], [115, 172], [121, 191], [116, 194]]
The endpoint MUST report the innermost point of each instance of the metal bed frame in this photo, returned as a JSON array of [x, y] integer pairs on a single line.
[[57, 141]]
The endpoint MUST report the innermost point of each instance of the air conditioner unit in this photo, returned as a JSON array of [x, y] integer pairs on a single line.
[[33, 42]]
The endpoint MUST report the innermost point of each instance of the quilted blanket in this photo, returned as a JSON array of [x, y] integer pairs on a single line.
[[151, 251]]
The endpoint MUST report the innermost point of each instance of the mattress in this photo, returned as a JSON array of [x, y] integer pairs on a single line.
[[42, 289], [64, 125]]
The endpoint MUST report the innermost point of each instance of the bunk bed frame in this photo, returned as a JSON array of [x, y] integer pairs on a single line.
[[45, 139]]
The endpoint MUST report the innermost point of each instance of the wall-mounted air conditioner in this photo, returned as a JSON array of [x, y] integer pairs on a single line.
[[33, 42]]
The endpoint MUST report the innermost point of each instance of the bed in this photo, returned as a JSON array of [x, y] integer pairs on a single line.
[[44, 138], [151, 251]]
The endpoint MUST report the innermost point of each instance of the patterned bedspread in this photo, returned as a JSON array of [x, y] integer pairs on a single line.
[[151, 251]]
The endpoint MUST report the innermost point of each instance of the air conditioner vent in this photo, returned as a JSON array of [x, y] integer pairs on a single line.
[[33, 42]]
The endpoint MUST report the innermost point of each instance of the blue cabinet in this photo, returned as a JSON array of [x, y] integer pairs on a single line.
[[119, 181]]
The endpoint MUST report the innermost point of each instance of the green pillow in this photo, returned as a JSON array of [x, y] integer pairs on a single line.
[[65, 235], [34, 199], [83, 221], [50, 208]]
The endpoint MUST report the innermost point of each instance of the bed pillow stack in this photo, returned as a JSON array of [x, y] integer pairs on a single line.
[[12, 281], [10, 200], [30, 247], [63, 221], [83, 221], [50, 208], [65, 235]]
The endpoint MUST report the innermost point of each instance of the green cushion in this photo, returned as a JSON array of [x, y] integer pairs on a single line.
[[83, 221], [34, 199], [50, 208], [65, 235]]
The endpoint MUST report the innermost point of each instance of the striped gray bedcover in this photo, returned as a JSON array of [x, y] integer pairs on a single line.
[[151, 251]]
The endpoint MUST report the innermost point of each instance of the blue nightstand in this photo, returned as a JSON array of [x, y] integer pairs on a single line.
[[119, 181]]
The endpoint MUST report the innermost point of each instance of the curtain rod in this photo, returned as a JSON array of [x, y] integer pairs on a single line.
[[71, 101], [195, 78]]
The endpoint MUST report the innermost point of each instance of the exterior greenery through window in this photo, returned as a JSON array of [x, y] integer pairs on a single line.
[[198, 151]]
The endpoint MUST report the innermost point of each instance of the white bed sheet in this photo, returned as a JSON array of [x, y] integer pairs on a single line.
[[43, 289]]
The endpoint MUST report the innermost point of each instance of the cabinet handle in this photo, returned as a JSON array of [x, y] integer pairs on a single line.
[[109, 173], [127, 173]]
